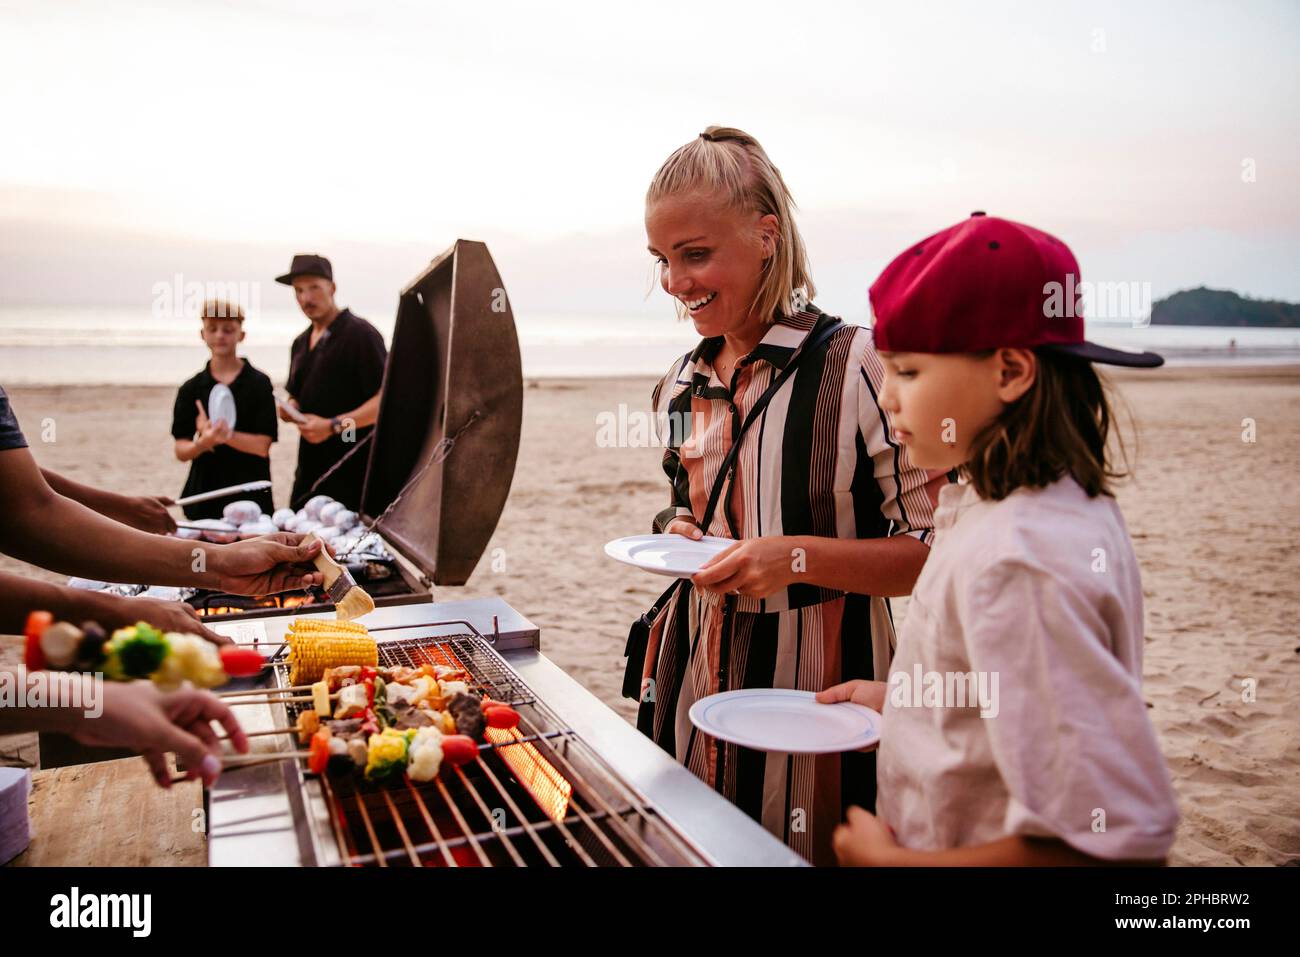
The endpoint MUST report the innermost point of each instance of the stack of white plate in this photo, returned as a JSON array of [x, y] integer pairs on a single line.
[[15, 826]]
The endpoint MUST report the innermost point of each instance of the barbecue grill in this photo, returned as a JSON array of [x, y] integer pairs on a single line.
[[538, 794], [574, 784], [440, 459]]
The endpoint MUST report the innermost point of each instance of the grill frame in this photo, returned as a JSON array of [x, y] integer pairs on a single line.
[[607, 821], [255, 815]]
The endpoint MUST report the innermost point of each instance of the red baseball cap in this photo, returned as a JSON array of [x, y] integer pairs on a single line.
[[987, 283]]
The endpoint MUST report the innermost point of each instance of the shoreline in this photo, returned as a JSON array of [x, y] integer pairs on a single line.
[[1282, 368], [571, 351], [1214, 520]]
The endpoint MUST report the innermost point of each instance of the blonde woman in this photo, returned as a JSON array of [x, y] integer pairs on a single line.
[[830, 516]]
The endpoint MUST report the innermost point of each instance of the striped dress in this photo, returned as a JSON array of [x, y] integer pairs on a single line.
[[818, 461]]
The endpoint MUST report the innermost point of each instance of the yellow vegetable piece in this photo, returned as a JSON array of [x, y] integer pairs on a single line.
[[320, 698]]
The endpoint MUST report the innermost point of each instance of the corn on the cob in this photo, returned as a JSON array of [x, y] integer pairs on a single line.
[[304, 625], [313, 650]]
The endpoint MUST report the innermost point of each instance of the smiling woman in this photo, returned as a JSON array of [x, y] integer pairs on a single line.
[[739, 198], [829, 515]]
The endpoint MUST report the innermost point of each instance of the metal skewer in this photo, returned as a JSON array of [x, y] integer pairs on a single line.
[[258, 734], [245, 760], [230, 761], [267, 691], [260, 644], [223, 492]]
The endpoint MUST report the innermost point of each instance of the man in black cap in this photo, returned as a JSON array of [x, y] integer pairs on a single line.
[[335, 371]]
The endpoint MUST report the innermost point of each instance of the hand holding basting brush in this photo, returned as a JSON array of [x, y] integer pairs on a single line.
[[350, 600]]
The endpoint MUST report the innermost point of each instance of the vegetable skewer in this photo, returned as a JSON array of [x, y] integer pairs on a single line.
[[379, 721], [137, 651]]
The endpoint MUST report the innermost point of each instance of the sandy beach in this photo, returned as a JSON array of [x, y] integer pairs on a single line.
[[1215, 521]]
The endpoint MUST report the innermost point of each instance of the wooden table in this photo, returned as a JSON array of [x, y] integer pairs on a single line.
[[112, 814]]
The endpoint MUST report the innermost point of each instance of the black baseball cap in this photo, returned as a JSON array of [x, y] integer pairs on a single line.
[[307, 264]]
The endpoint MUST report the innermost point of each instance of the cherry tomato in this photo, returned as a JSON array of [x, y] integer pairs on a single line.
[[458, 749], [501, 716], [241, 662], [37, 622]]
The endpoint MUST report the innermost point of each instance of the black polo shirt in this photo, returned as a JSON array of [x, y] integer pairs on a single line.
[[223, 465], [11, 436], [345, 368]]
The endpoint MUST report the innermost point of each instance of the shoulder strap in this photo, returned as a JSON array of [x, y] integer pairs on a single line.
[[815, 338], [640, 630]]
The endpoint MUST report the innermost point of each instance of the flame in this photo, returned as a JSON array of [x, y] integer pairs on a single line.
[[258, 603], [548, 786], [207, 612]]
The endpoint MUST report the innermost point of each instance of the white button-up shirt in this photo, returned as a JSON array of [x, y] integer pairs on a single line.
[[1039, 597]]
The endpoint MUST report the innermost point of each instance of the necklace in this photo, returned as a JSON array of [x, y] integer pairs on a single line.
[[720, 366]]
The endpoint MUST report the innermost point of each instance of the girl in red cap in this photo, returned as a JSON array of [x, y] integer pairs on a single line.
[[830, 515], [1014, 731]]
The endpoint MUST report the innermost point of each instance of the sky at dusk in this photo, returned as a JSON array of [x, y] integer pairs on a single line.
[[215, 139]]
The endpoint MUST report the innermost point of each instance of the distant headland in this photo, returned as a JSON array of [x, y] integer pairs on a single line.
[[1222, 307]]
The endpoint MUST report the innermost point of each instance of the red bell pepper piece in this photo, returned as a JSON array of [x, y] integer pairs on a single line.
[[368, 676], [37, 622], [319, 755]]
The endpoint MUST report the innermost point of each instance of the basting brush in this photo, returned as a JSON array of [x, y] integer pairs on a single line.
[[350, 599]]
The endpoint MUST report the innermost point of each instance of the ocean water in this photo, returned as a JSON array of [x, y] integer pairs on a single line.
[[78, 345]]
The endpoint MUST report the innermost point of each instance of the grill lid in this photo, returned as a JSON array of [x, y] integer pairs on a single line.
[[450, 410]]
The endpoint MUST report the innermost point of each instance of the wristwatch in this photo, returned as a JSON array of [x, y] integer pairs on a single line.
[[336, 425]]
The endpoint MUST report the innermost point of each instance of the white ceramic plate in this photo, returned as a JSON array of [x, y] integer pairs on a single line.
[[792, 722], [221, 404], [291, 410], [673, 555]]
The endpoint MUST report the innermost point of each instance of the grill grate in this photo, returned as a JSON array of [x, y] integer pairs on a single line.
[[537, 795]]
